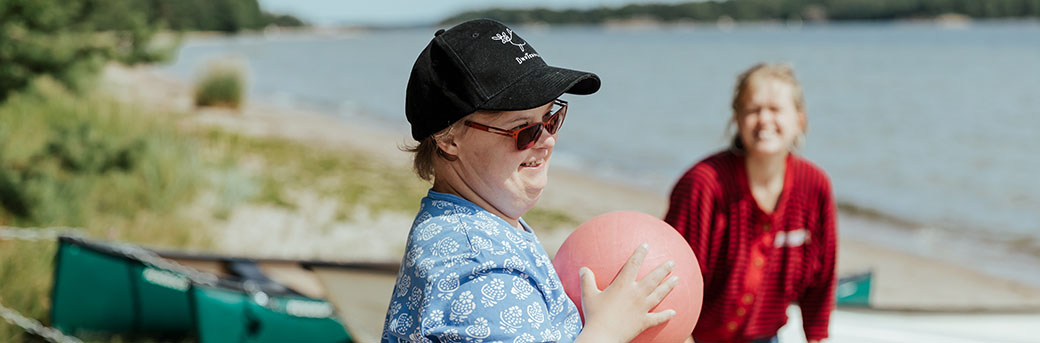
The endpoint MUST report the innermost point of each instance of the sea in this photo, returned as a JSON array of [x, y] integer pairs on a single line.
[[929, 131]]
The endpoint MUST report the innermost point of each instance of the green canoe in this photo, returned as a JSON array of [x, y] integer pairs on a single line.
[[854, 290], [104, 289]]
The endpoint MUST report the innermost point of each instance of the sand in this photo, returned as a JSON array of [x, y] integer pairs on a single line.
[[903, 281]]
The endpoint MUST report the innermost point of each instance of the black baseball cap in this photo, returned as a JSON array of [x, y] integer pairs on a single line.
[[482, 65]]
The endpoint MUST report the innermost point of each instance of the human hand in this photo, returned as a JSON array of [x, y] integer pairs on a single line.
[[621, 311]]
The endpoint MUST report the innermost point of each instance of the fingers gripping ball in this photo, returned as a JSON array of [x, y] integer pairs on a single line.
[[605, 242]]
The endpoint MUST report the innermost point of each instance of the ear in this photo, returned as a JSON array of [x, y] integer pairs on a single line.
[[803, 122], [447, 145]]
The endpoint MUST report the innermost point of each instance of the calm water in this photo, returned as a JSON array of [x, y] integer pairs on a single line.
[[932, 125]]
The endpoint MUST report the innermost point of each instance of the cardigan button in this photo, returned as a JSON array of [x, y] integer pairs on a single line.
[[765, 228], [732, 326], [759, 262], [741, 312], [748, 298]]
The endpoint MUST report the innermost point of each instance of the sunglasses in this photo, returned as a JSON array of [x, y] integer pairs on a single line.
[[527, 135]]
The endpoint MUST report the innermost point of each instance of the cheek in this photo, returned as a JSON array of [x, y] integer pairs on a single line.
[[794, 122], [745, 123], [500, 163]]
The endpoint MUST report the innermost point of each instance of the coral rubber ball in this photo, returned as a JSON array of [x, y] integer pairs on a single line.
[[605, 242]]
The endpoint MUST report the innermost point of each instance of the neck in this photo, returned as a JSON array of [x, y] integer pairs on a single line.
[[765, 170], [454, 185], [766, 179]]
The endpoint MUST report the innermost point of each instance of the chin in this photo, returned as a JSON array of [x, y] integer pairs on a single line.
[[534, 190], [768, 148], [536, 178]]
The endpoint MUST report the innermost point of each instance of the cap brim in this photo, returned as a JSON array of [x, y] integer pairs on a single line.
[[540, 87]]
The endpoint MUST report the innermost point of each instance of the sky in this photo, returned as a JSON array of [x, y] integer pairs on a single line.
[[407, 12]]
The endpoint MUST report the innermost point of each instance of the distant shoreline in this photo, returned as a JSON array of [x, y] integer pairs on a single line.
[[327, 31], [753, 10]]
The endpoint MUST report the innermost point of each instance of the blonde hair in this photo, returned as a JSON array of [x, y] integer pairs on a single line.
[[755, 76]]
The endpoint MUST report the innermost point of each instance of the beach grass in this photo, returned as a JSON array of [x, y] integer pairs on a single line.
[[25, 277], [222, 84], [279, 167]]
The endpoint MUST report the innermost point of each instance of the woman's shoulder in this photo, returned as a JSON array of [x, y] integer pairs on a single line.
[[809, 172], [448, 228], [459, 223], [810, 177], [440, 209], [721, 162], [719, 159], [714, 169]]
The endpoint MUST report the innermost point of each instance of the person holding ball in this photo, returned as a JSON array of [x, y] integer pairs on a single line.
[[760, 219], [484, 108]]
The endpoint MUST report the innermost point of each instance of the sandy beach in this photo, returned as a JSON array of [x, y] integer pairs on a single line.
[[902, 281]]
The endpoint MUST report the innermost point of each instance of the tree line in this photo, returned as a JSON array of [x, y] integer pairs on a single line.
[[766, 10], [69, 40], [215, 15]]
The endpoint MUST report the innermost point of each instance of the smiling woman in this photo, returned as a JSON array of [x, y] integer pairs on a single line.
[[487, 122], [760, 219]]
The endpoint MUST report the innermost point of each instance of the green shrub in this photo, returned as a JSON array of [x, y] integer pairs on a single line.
[[65, 156], [221, 84]]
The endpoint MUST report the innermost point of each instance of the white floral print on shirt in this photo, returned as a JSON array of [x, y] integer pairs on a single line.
[[468, 276]]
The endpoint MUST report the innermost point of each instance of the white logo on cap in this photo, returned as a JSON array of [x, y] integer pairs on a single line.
[[508, 39]]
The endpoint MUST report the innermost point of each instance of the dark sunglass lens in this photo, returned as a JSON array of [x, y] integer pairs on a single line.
[[527, 137], [557, 121]]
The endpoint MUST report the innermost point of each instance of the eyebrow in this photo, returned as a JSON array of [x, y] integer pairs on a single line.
[[522, 120], [517, 121], [525, 119]]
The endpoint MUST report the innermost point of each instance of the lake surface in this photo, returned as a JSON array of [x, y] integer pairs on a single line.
[[934, 126]]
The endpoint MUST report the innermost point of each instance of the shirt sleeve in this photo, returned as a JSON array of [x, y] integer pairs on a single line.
[[691, 210], [818, 300]]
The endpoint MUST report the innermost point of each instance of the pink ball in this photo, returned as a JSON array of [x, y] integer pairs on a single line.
[[605, 242]]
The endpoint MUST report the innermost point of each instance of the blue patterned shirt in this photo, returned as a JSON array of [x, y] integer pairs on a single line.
[[468, 276]]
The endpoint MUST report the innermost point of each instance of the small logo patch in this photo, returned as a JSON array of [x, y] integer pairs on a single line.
[[791, 238]]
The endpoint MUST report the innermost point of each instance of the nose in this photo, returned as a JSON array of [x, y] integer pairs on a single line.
[[546, 140], [766, 115]]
